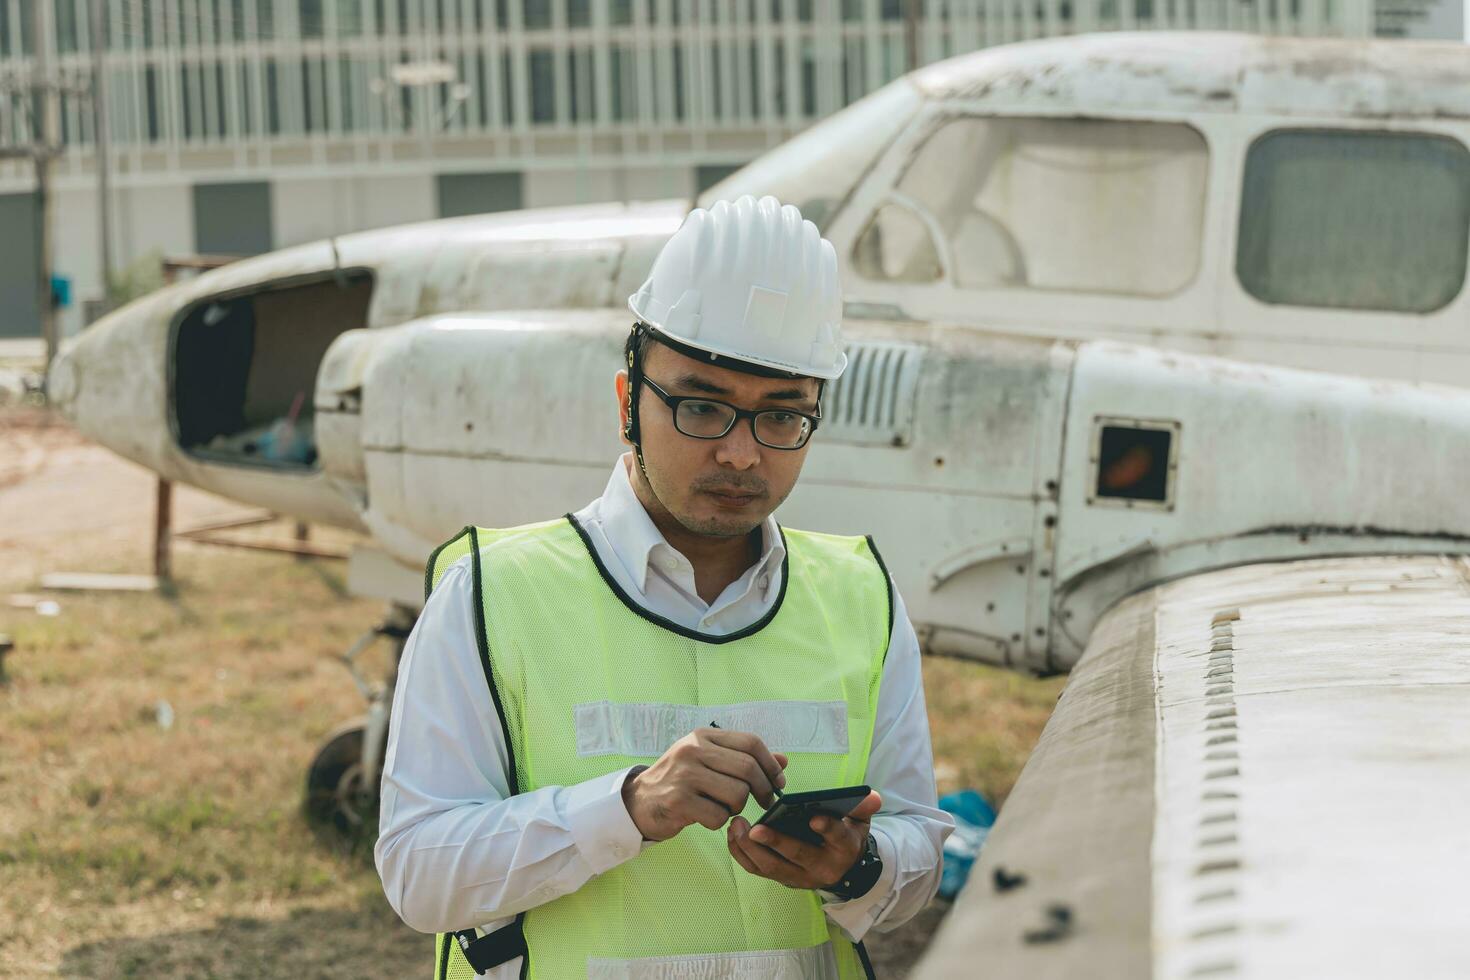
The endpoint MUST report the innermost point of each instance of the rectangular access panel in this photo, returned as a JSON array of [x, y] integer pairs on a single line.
[[19, 267], [233, 219]]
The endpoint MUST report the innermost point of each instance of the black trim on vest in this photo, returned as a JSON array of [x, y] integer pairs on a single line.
[[669, 624], [484, 645], [434, 560], [887, 582], [482, 640], [444, 949], [862, 952]]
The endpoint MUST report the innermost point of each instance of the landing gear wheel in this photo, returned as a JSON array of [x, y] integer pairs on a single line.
[[338, 793]]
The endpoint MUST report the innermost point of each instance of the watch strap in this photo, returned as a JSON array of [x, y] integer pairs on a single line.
[[859, 879]]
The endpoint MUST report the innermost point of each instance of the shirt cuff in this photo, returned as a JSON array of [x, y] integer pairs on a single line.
[[856, 916], [600, 824]]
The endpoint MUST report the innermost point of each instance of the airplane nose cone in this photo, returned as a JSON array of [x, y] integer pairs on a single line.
[[109, 382]]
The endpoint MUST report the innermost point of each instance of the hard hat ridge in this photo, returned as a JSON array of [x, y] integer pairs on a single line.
[[752, 281]]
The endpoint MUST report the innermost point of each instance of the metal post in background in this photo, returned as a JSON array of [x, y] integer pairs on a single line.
[[102, 146], [162, 533], [911, 32], [49, 93]]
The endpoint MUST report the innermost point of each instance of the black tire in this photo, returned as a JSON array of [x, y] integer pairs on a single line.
[[334, 785]]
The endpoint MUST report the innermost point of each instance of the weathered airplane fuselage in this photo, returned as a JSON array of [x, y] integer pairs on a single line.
[[1018, 486]]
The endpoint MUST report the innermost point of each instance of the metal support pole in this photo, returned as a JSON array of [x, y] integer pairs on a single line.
[[102, 145], [911, 32], [303, 534], [49, 93], [162, 532]]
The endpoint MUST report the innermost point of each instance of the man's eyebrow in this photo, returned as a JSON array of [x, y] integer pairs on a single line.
[[694, 382]]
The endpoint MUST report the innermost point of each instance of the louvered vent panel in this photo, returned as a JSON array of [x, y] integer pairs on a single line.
[[873, 402]]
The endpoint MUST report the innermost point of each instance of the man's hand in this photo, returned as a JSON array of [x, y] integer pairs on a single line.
[[703, 778], [797, 864]]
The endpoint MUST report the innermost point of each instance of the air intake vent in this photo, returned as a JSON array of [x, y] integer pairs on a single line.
[[872, 404]]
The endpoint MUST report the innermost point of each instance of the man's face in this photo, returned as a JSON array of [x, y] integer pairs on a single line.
[[719, 487]]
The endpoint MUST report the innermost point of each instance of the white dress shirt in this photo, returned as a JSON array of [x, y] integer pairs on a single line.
[[456, 850]]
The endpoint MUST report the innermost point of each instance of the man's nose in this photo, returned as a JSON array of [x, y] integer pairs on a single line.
[[738, 448]]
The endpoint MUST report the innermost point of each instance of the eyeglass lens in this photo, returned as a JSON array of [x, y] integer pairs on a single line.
[[710, 420]]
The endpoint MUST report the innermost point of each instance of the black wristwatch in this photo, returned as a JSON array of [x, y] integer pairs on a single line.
[[862, 876]]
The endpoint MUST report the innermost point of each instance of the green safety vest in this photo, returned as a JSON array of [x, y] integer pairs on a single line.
[[587, 683]]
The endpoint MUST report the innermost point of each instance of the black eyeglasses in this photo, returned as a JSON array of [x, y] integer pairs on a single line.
[[704, 418]]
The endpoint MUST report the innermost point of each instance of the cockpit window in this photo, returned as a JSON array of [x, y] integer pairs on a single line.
[[1356, 220], [1083, 205]]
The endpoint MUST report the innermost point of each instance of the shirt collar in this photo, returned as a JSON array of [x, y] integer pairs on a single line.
[[636, 540]]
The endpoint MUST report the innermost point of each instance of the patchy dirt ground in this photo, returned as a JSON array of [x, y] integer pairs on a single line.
[[131, 848]]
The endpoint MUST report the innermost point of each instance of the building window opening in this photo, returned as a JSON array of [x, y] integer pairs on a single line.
[[244, 369]]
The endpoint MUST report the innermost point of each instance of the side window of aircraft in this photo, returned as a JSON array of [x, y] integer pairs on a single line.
[[1356, 220], [1083, 205]]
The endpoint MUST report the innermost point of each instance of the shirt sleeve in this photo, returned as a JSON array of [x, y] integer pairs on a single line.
[[909, 829], [455, 849]]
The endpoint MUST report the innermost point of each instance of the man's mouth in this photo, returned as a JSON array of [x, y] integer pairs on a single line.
[[733, 496]]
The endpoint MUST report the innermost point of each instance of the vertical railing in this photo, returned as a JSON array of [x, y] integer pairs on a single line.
[[246, 74]]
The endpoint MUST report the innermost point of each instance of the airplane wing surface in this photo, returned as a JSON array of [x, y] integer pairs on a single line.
[[1257, 772]]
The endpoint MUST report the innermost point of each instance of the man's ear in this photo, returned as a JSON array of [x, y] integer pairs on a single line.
[[620, 387]]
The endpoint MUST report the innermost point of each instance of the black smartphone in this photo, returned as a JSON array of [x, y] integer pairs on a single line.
[[792, 814]]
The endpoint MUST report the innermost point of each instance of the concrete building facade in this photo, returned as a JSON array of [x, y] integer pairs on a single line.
[[238, 126]]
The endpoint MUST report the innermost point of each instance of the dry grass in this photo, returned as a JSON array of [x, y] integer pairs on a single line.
[[128, 849], [124, 842]]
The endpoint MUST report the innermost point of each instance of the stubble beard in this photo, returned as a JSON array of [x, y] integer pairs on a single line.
[[716, 526]]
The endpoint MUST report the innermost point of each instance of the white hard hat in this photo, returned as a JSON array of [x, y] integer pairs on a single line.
[[752, 281]]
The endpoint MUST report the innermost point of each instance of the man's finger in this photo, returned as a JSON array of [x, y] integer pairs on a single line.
[[752, 746], [769, 863], [707, 812], [738, 765], [735, 834], [836, 833], [869, 806], [729, 792], [799, 853]]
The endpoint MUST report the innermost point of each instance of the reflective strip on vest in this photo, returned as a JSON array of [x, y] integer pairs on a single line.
[[813, 963], [604, 728], [587, 684]]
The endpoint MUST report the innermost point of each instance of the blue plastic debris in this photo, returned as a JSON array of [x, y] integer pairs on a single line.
[[973, 818]]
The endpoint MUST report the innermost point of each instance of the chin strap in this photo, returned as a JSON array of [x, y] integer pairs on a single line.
[[631, 431]]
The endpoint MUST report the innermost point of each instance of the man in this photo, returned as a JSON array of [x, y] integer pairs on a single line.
[[591, 712]]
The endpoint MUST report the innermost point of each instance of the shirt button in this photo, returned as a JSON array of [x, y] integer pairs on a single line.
[[671, 563], [764, 581]]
